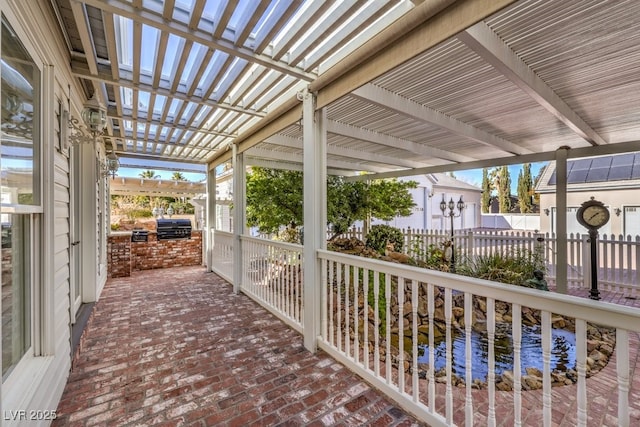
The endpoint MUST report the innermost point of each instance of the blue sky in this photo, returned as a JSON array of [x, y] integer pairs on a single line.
[[471, 176], [135, 173]]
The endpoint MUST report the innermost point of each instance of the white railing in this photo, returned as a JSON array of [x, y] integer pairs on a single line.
[[384, 321], [272, 275], [618, 256], [222, 254]]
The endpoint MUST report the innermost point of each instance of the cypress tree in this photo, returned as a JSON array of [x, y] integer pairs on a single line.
[[486, 191], [504, 189]]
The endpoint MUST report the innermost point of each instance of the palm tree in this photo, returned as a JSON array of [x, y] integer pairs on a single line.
[[148, 174], [178, 176]]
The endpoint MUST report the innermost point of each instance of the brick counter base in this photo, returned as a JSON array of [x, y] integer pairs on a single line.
[[126, 256]]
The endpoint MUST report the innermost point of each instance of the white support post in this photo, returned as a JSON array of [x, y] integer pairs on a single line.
[[239, 209], [315, 207], [207, 237], [561, 220]]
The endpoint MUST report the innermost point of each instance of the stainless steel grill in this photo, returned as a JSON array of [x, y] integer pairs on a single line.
[[173, 228]]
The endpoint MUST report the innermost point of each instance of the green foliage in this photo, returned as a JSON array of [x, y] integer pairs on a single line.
[[514, 267], [380, 235], [178, 176], [148, 174], [486, 191], [139, 213], [274, 200], [504, 189], [525, 189], [115, 227], [431, 258], [183, 208], [290, 235]]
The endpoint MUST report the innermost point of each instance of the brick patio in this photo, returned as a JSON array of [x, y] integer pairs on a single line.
[[176, 347]]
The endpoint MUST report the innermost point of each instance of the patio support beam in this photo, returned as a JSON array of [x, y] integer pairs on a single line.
[[486, 43], [561, 219], [211, 217], [315, 213], [239, 207]]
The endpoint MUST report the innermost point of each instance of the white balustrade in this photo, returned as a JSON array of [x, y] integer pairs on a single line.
[[374, 323], [272, 275], [222, 254]]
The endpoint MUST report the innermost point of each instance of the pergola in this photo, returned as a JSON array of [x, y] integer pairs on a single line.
[[389, 88]]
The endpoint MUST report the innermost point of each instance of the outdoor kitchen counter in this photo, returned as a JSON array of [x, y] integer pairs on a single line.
[[125, 255]]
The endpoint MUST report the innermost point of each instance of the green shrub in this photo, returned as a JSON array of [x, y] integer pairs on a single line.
[[380, 235], [140, 213], [514, 267]]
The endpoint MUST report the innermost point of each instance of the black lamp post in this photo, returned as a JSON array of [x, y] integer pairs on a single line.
[[451, 214]]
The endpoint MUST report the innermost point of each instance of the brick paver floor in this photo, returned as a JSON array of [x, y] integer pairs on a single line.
[[176, 347]]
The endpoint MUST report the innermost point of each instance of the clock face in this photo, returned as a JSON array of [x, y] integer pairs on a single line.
[[596, 216]]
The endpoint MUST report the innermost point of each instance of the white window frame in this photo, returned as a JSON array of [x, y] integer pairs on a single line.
[[19, 385]]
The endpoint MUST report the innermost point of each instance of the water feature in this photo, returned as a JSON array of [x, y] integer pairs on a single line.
[[563, 352]]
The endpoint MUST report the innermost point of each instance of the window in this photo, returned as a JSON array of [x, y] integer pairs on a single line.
[[21, 196], [631, 221]]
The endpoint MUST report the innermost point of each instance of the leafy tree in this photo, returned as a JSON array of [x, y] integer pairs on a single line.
[[275, 199], [148, 174], [504, 189], [486, 191], [525, 189]]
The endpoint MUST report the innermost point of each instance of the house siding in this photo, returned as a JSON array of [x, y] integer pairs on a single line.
[[38, 383]]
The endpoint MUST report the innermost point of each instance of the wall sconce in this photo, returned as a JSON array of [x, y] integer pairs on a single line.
[[94, 117], [546, 211], [617, 211], [111, 166]]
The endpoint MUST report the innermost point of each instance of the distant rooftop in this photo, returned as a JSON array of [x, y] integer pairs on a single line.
[[602, 169]]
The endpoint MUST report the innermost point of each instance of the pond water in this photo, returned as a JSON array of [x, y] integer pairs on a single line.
[[563, 352]]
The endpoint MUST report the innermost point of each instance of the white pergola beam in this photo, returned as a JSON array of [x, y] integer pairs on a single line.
[[179, 29], [257, 152], [275, 164], [367, 135], [126, 82], [486, 43], [574, 153], [389, 100], [287, 141]]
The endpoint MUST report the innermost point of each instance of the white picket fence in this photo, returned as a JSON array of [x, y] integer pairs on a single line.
[[618, 256]]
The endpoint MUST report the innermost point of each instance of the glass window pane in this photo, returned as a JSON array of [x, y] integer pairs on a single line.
[[16, 290], [20, 102]]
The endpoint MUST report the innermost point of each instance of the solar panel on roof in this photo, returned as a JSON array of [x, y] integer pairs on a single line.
[[552, 180], [601, 162], [636, 171], [623, 160], [598, 174], [620, 172], [582, 164], [577, 176]]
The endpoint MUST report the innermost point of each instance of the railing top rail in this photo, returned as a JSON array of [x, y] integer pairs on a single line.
[[222, 233], [274, 243], [601, 313]]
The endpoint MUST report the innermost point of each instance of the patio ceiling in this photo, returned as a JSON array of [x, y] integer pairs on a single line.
[[473, 83]]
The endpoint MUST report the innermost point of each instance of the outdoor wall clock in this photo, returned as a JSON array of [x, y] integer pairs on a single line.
[[593, 214]]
